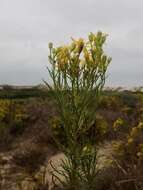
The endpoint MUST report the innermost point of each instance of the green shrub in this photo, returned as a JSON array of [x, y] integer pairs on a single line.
[[78, 73]]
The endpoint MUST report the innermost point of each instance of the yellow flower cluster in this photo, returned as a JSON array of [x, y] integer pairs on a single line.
[[133, 139], [11, 111], [4, 107], [81, 52], [136, 131], [133, 145], [77, 45], [62, 56]]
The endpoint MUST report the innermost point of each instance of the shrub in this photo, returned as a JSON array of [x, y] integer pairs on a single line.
[[78, 75], [13, 118], [128, 157]]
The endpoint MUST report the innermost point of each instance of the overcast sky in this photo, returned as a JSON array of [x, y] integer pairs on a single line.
[[27, 26]]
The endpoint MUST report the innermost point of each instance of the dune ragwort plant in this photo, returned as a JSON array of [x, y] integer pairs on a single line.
[[78, 72]]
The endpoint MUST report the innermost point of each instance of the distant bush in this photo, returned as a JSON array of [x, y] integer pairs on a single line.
[[10, 93], [129, 99], [111, 102], [13, 117]]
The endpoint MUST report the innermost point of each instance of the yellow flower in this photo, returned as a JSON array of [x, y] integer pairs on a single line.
[[50, 45], [78, 45], [86, 54], [91, 37], [73, 46]]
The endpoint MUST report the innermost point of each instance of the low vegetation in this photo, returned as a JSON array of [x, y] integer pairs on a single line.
[[118, 122]]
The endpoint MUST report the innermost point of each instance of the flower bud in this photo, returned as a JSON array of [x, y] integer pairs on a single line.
[[73, 46], [50, 45], [104, 58], [91, 37], [80, 45]]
